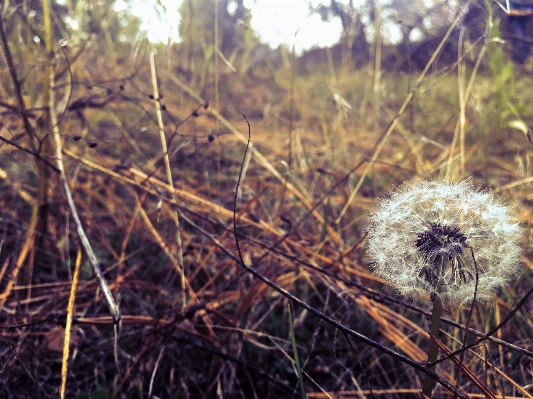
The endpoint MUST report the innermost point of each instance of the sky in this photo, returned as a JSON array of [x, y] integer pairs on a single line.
[[275, 21]]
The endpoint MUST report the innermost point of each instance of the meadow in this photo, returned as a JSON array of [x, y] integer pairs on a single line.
[[210, 239]]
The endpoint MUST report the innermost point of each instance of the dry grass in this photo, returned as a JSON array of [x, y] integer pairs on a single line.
[[232, 337]]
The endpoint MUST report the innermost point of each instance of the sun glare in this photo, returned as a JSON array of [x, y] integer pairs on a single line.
[[276, 22]]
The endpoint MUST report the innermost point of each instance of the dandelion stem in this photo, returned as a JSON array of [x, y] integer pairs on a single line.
[[433, 350]]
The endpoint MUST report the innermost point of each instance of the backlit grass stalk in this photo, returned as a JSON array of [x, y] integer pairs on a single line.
[[377, 66], [461, 73], [54, 128], [245, 166], [28, 243], [217, 56], [463, 100], [293, 65], [68, 324], [181, 266]]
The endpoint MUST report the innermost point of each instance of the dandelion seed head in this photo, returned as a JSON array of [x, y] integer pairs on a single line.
[[421, 236]]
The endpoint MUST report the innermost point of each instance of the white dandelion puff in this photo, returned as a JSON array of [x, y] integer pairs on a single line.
[[421, 237]]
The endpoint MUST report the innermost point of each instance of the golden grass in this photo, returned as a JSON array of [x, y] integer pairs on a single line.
[[216, 328]]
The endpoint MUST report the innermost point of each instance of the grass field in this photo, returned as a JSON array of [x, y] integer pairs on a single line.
[[217, 288]]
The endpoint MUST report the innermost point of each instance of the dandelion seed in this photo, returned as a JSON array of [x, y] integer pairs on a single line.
[[421, 237]]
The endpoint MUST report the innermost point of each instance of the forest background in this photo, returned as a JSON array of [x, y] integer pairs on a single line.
[[133, 266]]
